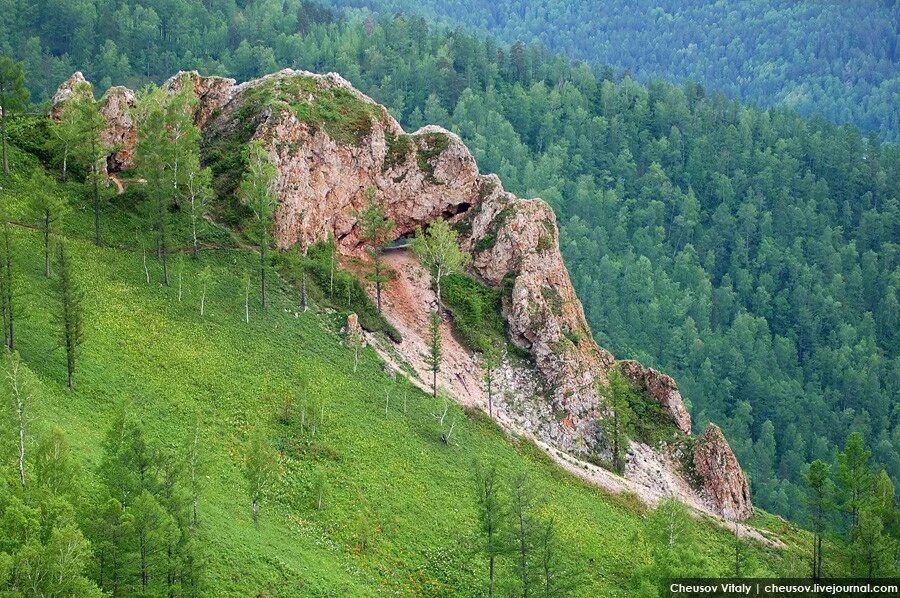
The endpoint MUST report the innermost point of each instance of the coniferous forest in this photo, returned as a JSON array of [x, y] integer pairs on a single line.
[[836, 59], [751, 253]]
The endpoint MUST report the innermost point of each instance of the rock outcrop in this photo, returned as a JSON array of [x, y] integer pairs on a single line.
[[724, 482], [330, 143], [66, 91], [120, 134], [661, 388]]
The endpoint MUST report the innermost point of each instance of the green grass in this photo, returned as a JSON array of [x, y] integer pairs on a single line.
[[388, 474]]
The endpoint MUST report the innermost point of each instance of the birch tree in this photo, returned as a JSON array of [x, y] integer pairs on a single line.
[[20, 397], [257, 191], [259, 471], [438, 250], [91, 150], [199, 192]]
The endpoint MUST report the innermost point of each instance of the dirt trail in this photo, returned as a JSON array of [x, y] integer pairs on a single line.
[[407, 302], [120, 186]]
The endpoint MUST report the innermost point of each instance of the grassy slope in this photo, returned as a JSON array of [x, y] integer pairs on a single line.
[[386, 472]]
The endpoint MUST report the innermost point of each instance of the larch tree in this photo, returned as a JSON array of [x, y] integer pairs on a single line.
[[376, 231], [435, 354], [551, 568], [48, 208], [819, 502], [524, 528], [7, 295], [258, 193], [438, 250], [70, 309], [615, 426], [490, 519], [491, 356], [854, 477], [167, 157], [13, 97]]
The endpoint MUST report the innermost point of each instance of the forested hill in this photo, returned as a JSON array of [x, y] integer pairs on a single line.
[[836, 58], [751, 254]]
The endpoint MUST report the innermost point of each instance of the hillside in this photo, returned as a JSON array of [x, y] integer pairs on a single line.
[[751, 254], [398, 513]]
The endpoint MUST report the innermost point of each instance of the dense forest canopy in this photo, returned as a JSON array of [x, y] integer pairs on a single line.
[[752, 254], [836, 58]]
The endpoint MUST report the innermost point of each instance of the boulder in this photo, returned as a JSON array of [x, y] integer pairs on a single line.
[[723, 481]]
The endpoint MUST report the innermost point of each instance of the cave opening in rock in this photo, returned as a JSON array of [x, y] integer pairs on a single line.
[[456, 210]]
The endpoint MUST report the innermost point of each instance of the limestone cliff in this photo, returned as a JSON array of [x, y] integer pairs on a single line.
[[330, 142]]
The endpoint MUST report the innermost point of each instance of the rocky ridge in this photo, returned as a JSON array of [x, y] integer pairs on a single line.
[[329, 142]]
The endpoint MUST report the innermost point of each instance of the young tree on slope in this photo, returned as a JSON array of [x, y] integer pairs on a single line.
[[21, 403], [6, 288], [166, 153], [48, 208], [376, 229], [490, 518], [91, 150], [615, 427], [257, 193], [819, 501], [439, 251], [435, 348], [259, 470], [70, 309], [13, 97], [524, 530]]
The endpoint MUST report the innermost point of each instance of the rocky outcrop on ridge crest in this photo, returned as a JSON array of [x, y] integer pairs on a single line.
[[330, 142]]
